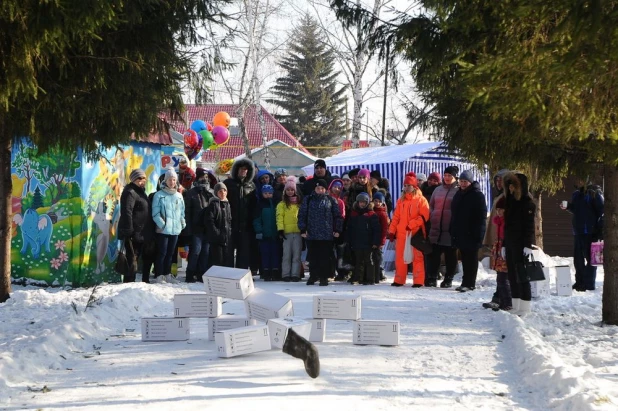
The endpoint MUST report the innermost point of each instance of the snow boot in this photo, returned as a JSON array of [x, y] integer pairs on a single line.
[[276, 274], [190, 277], [447, 282], [266, 275], [524, 308], [298, 347], [516, 305]]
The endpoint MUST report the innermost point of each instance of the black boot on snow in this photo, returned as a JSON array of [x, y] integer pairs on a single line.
[[298, 347]]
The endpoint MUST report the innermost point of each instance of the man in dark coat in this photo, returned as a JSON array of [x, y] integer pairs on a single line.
[[134, 216], [196, 200], [468, 220], [587, 206], [319, 173], [242, 198]]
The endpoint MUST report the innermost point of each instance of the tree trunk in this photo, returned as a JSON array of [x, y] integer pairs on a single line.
[[6, 188], [610, 252]]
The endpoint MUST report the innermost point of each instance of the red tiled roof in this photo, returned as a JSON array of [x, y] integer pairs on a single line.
[[234, 147]]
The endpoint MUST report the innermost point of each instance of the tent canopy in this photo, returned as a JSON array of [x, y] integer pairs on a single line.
[[393, 162]]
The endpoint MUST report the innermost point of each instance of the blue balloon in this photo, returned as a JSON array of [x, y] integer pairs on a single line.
[[198, 125]]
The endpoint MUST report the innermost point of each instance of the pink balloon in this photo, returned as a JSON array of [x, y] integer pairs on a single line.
[[220, 134]]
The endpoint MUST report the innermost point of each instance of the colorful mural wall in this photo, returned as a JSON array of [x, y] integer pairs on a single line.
[[66, 212]]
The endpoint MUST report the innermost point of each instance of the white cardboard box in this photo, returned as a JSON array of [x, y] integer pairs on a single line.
[[263, 305], [337, 307], [226, 282], [244, 340], [564, 286], [318, 329], [227, 322], [165, 329], [198, 305], [278, 329], [541, 288], [376, 332]]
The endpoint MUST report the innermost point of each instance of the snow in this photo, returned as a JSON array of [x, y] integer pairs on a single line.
[[57, 351]]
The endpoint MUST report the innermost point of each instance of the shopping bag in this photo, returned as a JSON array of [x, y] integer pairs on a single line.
[[408, 252], [122, 265], [530, 270], [388, 256], [420, 240], [596, 253]]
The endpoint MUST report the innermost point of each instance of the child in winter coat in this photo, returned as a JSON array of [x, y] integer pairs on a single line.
[[287, 227], [218, 227], [498, 263], [363, 235], [265, 226], [379, 207]]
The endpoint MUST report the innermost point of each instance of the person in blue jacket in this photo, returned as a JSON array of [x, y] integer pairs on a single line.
[[265, 226], [168, 214], [587, 206]]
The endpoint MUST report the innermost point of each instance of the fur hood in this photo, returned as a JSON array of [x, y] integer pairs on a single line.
[[364, 210], [519, 182], [243, 162]]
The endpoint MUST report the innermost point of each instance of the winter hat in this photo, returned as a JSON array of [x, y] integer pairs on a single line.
[[466, 175], [363, 172], [346, 177], [421, 178], [170, 173], [501, 203], [434, 176], [267, 188], [219, 187], [363, 197], [199, 173], [335, 183], [452, 170], [353, 172], [319, 163], [321, 183], [137, 174], [280, 172], [410, 179], [290, 182], [376, 174], [379, 196]]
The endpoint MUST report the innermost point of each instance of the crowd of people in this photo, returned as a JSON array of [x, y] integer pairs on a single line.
[[269, 222]]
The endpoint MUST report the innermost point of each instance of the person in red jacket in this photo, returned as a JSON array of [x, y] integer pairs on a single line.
[[408, 217]]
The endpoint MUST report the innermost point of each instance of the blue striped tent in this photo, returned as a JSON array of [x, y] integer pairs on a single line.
[[394, 162]]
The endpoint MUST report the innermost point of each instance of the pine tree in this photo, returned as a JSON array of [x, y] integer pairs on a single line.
[[310, 93], [37, 201]]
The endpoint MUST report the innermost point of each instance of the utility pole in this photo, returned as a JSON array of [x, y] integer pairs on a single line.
[[385, 92]]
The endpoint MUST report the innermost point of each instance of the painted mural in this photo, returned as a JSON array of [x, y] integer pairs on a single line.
[[66, 212]]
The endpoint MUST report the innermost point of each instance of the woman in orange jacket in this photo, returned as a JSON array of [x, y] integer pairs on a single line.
[[410, 210]]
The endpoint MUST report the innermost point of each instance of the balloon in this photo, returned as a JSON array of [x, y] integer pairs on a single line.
[[190, 152], [209, 126], [191, 138], [220, 135], [207, 138], [221, 119], [213, 146], [198, 125]]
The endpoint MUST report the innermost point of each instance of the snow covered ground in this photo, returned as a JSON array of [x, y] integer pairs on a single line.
[[57, 353]]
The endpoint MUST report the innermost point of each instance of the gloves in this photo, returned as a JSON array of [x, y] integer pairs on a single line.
[[503, 252], [281, 234], [258, 236], [527, 251], [391, 236]]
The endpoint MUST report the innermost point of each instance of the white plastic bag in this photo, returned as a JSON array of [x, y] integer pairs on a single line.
[[408, 253]]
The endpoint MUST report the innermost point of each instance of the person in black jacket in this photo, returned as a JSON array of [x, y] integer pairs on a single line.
[[242, 199], [319, 173], [218, 226], [518, 236], [364, 235], [196, 201], [467, 228], [134, 215]]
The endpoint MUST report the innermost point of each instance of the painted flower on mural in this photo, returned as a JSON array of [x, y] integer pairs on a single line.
[[55, 263], [60, 245], [63, 256]]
